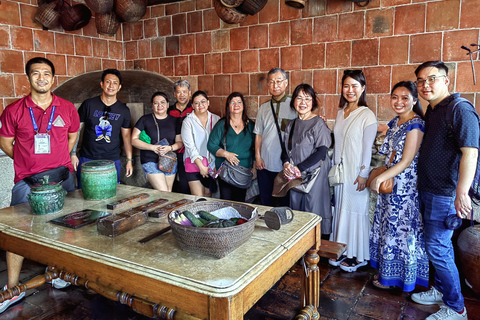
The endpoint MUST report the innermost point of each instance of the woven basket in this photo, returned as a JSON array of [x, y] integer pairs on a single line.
[[216, 242]]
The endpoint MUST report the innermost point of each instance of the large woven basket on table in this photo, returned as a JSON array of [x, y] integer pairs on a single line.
[[216, 242]]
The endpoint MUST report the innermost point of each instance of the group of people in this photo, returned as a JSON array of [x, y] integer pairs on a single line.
[[431, 162]]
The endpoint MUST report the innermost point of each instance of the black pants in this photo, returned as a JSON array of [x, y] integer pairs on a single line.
[[265, 184], [229, 192], [181, 186]]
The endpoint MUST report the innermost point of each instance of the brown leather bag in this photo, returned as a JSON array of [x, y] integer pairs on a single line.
[[387, 185]]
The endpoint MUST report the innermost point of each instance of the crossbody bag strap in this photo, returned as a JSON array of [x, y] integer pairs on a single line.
[[278, 127], [290, 141], [346, 132], [156, 125]]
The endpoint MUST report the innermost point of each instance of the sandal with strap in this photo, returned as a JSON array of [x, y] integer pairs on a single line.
[[377, 284], [337, 262], [351, 265]]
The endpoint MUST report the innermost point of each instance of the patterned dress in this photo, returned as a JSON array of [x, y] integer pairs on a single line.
[[397, 245]]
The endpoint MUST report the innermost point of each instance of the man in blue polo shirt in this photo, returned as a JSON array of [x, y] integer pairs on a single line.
[[446, 167]]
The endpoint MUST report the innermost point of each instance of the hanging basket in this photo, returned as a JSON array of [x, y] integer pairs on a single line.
[[47, 16], [130, 10], [231, 3], [297, 4], [74, 17], [107, 23], [229, 15], [252, 7], [100, 6]]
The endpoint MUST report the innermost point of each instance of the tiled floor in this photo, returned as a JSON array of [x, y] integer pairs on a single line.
[[343, 296]]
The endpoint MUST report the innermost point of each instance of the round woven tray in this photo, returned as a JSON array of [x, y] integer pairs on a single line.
[[216, 242]]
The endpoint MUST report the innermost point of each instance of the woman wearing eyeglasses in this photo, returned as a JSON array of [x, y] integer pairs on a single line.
[[233, 140], [199, 162], [163, 131], [307, 139], [354, 133]]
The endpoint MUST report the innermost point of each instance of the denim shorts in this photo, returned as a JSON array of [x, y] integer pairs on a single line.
[[152, 168]]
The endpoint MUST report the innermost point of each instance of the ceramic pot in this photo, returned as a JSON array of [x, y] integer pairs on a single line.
[[99, 179], [46, 198], [469, 252]]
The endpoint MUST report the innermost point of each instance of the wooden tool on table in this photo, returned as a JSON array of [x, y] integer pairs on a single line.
[[161, 212], [155, 234], [119, 223], [126, 201]]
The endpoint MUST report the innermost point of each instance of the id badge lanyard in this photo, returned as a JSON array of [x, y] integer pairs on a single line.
[[42, 140]]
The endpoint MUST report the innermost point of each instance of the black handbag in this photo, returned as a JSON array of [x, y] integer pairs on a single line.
[[56, 175], [237, 176]]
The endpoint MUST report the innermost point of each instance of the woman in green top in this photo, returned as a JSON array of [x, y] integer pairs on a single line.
[[236, 131]]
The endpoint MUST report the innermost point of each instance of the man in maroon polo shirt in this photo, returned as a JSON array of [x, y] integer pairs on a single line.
[[37, 132]]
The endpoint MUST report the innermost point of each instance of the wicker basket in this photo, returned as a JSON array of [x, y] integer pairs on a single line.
[[216, 242]]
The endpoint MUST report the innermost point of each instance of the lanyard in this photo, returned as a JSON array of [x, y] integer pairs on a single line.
[[34, 122]]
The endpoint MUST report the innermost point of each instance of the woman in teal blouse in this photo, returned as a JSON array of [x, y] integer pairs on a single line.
[[236, 131]]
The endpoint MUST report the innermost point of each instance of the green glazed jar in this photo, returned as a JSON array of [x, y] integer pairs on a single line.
[[99, 179], [46, 197]]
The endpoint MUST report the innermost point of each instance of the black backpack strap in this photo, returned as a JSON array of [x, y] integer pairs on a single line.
[[451, 109]]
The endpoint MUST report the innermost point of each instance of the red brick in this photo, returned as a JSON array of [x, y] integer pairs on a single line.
[[298, 77], [379, 23], [181, 66], [131, 51], [93, 64], [313, 56], [338, 6], [7, 89], [403, 73], [453, 40], [392, 3], [324, 81], [27, 15], [331, 106], [338, 54], [443, 15], [22, 86], [179, 23], [172, 46], [325, 29], [83, 46], [465, 82], [128, 65], [27, 55], [279, 34], [315, 8], [194, 21], [269, 13], [43, 41], [172, 8], [378, 79], [394, 50], [240, 83], [187, 44], [410, 19], [249, 21], [9, 13], [269, 58], [231, 62], [258, 84], [90, 30], [249, 62], [217, 105], [158, 47], [115, 50], [251, 106], [205, 83], [203, 42], [11, 61], [157, 11], [238, 39], [203, 4], [289, 13], [197, 64], [301, 31], [213, 63], [144, 50], [121, 65], [5, 37], [187, 6], [22, 38], [166, 66], [150, 28], [350, 26], [211, 21], [221, 85], [137, 30], [75, 66], [384, 109], [290, 58], [153, 65], [365, 52], [59, 63], [164, 26], [127, 31], [470, 13], [64, 43], [258, 37], [372, 4], [220, 40], [425, 47], [99, 46]]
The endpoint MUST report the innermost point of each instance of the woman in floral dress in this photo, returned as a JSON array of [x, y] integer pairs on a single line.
[[397, 246]]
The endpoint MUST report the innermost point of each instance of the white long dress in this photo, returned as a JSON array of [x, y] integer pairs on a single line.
[[351, 223]]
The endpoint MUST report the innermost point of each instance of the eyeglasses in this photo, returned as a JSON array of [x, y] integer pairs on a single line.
[[161, 103], [203, 102], [275, 82], [430, 80], [306, 99]]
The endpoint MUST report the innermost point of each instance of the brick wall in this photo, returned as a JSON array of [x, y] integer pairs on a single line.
[[387, 38]]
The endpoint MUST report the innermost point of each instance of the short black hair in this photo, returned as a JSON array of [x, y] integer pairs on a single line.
[[358, 76], [115, 72], [308, 90], [440, 65], [199, 93], [159, 93], [32, 61]]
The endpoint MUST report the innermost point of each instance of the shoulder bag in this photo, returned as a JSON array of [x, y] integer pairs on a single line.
[[167, 162], [387, 185]]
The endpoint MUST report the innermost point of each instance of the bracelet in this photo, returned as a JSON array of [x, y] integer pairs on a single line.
[[129, 159], [171, 147]]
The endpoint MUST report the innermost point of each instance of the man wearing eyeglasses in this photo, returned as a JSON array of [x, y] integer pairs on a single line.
[[268, 148], [446, 167], [105, 122]]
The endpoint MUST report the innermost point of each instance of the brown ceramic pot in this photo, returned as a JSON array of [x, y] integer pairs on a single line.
[[469, 252]]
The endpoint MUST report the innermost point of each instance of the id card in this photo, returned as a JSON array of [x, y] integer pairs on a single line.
[[42, 143]]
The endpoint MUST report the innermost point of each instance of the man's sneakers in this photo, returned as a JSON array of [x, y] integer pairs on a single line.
[[432, 296], [58, 283], [7, 303], [445, 313]]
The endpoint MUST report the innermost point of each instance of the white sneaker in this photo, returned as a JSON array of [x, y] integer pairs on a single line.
[[7, 303], [58, 283], [445, 313], [432, 296]]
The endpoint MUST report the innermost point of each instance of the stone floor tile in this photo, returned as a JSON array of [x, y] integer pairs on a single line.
[[335, 307], [348, 288], [378, 308]]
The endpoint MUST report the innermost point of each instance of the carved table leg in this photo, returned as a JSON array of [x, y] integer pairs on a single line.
[[311, 284]]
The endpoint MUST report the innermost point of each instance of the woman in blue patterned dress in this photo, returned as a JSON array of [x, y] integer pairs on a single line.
[[397, 246]]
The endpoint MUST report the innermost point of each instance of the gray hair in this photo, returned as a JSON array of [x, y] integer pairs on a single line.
[[181, 83], [276, 70]]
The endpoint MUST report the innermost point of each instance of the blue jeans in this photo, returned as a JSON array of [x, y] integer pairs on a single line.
[[438, 244], [81, 160]]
